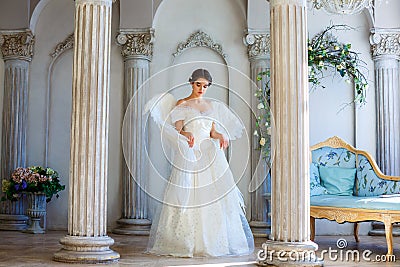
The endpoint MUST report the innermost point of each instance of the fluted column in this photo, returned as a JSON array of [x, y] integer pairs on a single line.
[[385, 47], [290, 214], [386, 56], [137, 50], [17, 52], [258, 47], [87, 240]]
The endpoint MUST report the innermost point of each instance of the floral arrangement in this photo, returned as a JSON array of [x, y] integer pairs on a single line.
[[35, 179], [324, 52]]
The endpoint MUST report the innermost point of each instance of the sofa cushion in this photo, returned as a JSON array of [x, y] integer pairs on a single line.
[[338, 181], [316, 188], [371, 203]]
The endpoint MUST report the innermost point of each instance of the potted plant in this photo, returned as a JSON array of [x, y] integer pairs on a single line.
[[39, 184]]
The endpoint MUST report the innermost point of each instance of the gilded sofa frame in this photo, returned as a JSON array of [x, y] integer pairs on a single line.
[[356, 215]]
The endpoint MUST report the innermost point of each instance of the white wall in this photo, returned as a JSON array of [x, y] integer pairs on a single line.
[[387, 14], [14, 14]]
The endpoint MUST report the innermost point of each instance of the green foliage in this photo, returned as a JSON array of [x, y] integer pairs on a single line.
[[325, 52]]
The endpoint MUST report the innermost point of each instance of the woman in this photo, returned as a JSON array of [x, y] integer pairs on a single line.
[[202, 212]]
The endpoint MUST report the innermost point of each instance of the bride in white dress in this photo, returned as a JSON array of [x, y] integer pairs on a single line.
[[203, 211]]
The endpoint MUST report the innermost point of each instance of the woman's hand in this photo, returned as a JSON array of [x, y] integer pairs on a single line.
[[223, 141], [189, 137]]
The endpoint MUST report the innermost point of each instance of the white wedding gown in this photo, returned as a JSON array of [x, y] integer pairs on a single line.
[[202, 213]]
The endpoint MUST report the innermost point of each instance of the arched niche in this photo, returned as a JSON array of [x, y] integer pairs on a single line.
[[224, 21]]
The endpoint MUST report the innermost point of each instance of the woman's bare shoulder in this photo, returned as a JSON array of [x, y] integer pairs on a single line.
[[180, 101]]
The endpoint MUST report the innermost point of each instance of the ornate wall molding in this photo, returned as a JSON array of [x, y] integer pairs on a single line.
[[60, 49], [17, 45], [385, 42], [258, 44], [136, 43], [199, 39], [67, 44]]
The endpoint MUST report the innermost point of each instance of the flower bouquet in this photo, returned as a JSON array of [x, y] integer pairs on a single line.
[[35, 179]]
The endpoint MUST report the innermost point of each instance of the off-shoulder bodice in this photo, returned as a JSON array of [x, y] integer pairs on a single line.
[[199, 123]]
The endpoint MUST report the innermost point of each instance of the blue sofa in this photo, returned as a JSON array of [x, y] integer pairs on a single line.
[[346, 185]]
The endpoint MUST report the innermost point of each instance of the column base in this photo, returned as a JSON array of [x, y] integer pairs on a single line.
[[277, 253], [88, 250], [12, 222], [133, 227], [260, 229], [378, 229]]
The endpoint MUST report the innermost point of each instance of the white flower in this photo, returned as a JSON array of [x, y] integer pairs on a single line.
[[260, 106], [348, 81], [255, 133], [266, 124], [262, 141]]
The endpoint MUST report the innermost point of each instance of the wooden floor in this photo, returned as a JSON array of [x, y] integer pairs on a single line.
[[19, 249]]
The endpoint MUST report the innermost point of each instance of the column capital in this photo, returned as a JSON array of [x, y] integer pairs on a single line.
[[385, 43], [95, 2], [291, 2], [258, 44], [136, 43], [17, 45]]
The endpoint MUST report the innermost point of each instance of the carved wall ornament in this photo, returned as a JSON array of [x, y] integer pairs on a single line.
[[136, 43], [199, 39], [258, 44], [65, 45], [17, 45], [385, 43], [335, 142]]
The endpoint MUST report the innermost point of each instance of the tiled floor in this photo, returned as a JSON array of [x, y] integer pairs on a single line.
[[19, 249]]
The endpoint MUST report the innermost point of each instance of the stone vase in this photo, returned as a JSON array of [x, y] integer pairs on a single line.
[[36, 210]]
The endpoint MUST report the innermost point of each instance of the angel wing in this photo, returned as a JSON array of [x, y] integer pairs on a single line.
[[160, 106], [227, 122]]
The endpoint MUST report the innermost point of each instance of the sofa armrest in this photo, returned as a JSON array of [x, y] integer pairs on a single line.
[[370, 181]]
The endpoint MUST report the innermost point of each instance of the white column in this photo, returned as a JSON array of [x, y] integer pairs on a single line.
[[137, 50], [290, 214], [17, 52], [386, 55], [87, 240], [258, 48], [385, 46]]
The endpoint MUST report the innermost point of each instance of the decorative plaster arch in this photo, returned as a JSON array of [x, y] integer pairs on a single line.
[[36, 13], [59, 50], [200, 39], [38, 10], [369, 13], [158, 4]]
